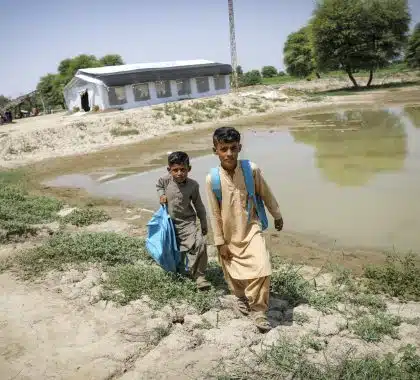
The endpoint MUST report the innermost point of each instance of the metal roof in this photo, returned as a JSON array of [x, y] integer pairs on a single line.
[[147, 72], [109, 70]]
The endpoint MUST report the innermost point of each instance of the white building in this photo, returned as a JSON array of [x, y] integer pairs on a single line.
[[138, 85]]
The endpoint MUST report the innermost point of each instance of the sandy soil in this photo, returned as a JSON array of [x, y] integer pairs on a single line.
[[51, 136]]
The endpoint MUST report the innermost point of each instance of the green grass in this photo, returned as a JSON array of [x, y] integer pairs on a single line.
[[131, 282], [86, 217], [288, 359], [118, 132], [372, 328], [64, 248], [398, 277], [19, 211]]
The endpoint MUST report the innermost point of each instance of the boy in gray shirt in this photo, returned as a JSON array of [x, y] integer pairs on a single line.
[[180, 193]]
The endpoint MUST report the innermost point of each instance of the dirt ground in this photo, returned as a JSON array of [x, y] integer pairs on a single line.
[[60, 328]]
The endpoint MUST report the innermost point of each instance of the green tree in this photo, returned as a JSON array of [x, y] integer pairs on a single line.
[[412, 55], [298, 56], [359, 34], [111, 60], [239, 71], [50, 87], [4, 100], [251, 78], [269, 72]]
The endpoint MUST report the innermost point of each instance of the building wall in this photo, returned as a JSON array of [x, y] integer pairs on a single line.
[[131, 103], [96, 95]]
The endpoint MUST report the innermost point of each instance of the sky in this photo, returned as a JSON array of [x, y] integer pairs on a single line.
[[38, 34]]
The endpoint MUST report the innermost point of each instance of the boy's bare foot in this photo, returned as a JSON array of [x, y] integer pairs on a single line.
[[202, 283], [242, 305]]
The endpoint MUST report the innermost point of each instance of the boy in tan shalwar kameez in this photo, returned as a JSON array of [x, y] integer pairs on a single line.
[[241, 245]]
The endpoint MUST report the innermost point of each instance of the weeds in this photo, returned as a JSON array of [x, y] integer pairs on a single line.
[[64, 248], [119, 132], [86, 217], [399, 277], [300, 318], [130, 282], [289, 360], [372, 328], [19, 210]]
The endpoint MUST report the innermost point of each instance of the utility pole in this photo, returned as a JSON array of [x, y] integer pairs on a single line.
[[233, 45]]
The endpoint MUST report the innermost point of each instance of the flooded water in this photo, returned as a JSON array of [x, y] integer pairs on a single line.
[[350, 176]]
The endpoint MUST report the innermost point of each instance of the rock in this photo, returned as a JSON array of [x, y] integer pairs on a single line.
[[66, 211]]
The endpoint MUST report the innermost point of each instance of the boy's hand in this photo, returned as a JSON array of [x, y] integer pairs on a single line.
[[204, 231], [278, 224], [225, 252], [163, 199]]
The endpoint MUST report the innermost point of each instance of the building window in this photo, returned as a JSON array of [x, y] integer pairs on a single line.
[[202, 84], [163, 89], [219, 82], [116, 96], [141, 92], [184, 87]]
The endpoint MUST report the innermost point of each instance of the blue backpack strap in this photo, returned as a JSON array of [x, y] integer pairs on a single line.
[[249, 183], [252, 196], [216, 185]]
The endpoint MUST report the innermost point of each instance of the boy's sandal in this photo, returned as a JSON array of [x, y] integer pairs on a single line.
[[203, 284], [262, 323], [242, 305]]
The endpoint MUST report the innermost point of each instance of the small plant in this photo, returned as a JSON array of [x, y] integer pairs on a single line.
[[372, 328], [119, 132], [86, 217], [96, 108], [300, 318], [76, 109], [158, 115], [399, 277]]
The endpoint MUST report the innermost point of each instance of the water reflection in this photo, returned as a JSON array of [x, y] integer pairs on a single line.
[[353, 146], [413, 113]]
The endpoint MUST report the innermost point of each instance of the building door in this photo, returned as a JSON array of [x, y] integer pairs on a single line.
[[84, 101]]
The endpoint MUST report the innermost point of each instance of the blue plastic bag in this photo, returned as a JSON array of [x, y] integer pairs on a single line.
[[161, 240]]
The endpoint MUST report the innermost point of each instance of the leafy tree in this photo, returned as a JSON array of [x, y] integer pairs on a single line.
[[50, 88], [239, 71], [4, 100], [412, 55], [269, 72], [251, 78], [358, 34], [298, 56], [111, 60]]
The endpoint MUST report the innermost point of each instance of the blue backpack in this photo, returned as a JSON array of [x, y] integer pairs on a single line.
[[161, 240], [250, 188]]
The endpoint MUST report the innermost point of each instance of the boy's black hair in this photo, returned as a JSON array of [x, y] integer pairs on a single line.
[[178, 158], [226, 135]]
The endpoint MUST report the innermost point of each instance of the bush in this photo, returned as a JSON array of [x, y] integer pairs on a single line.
[[399, 277], [85, 217], [251, 78], [96, 108], [76, 109], [269, 72]]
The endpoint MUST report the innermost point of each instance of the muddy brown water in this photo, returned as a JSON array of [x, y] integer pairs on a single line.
[[351, 176]]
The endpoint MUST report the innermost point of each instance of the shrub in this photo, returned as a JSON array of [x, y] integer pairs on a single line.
[[85, 217]]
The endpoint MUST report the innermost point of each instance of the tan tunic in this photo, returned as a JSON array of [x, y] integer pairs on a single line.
[[230, 225]]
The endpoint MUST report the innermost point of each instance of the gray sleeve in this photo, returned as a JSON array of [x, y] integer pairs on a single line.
[[199, 206], [161, 186]]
